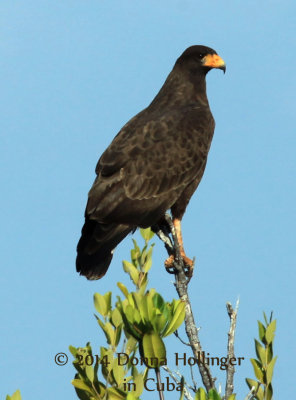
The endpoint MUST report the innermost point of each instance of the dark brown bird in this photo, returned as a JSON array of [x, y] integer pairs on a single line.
[[154, 164]]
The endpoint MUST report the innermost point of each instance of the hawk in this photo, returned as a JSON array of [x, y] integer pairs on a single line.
[[154, 164]]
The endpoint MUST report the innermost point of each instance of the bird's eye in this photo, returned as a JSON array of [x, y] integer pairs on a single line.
[[200, 55]]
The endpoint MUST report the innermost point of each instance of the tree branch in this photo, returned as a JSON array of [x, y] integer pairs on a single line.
[[230, 348], [186, 391], [182, 341], [181, 284], [160, 391], [164, 238]]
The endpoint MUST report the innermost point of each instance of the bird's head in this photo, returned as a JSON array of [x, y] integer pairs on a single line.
[[201, 58]]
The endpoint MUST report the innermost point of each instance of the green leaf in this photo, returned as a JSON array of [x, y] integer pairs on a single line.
[[143, 308], [100, 388], [108, 331], [143, 256], [116, 317], [16, 396], [131, 396], [136, 247], [90, 372], [269, 370], [128, 318], [130, 345], [257, 369], [83, 395], [115, 394], [261, 329], [265, 318], [148, 262], [108, 299], [269, 392], [153, 350], [139, 382], [135, 253], [150, 305], [261, 352], [73, 350], [143, 281], [117, 335], [232, 397], [100, 304], [159, 323], [269, 352], [137, 317], [158, 301], [118, 372], [252, 383], [177, 319], [213, 395], [146, 234], [182, 383], [270, 331], [200, 394], [123, 288], [260, 394], [137, 299], [106, 361], [131, 270], [79, 384]]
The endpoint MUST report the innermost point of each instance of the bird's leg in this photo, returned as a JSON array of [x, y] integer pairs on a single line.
[[188, 263]]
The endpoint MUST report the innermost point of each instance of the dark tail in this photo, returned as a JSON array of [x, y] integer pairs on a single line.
[[96, 245]]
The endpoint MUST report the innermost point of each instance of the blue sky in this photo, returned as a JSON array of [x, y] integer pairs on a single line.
[[72, 73]]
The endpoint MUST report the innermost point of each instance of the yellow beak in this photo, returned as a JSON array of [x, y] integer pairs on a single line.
[[214, 61]]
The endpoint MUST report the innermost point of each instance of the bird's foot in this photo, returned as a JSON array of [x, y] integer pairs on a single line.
[[188, 265]]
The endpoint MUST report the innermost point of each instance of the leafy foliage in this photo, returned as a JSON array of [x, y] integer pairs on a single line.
[[141, 318], [16, 396], [212, 395], [138, 323], [264, 364]]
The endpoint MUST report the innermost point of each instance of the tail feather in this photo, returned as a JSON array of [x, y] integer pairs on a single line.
[[96, 245]]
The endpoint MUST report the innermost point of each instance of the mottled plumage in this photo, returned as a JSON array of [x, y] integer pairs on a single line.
[[154, 164]]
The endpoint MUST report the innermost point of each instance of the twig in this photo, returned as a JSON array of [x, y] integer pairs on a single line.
[[180, 376], [251, 394], [181, 284], [159, 384], [193, 380], [182, 341], [230, 348], [164, 238], [186, 391]]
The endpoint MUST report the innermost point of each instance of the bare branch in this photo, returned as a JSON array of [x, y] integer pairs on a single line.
[[160, 391], [164, 238], [182, 341], [186, 391], [181, 284], [230, 348], [193, 380], [251, 394]]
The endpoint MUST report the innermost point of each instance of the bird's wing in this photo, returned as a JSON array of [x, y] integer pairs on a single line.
[[151, 157]]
